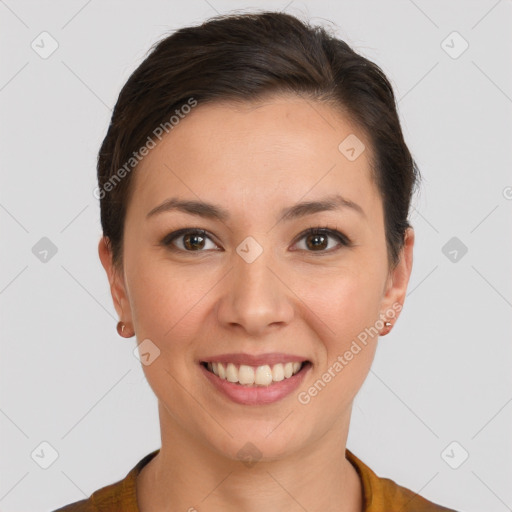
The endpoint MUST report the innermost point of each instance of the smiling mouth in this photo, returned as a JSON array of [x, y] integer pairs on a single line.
[[263, 375]]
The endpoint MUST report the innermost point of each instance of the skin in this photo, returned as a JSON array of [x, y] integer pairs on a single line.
[[254, 159]]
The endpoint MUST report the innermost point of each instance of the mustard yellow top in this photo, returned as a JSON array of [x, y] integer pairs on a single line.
[[379, 494]]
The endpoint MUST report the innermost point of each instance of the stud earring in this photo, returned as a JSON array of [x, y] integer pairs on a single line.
[[386, 330], [121, 326]]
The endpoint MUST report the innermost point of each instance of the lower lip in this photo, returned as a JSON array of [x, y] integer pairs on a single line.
[[257, 395]]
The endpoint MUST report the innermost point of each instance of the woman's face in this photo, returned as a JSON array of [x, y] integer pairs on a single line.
[[255, 284]]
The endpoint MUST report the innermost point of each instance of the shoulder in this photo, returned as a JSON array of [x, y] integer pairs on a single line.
[[79, 506], [120, 495], [393, 496], [109, 498], [384, 494]]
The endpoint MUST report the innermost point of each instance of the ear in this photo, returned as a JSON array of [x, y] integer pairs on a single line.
[[116, 280], [398, 279]]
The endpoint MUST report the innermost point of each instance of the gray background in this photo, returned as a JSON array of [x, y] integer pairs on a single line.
[[442, 375]]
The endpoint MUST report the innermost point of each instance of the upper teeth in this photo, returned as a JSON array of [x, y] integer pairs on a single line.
[[250, 375]]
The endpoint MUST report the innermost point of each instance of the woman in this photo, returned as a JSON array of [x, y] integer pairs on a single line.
[[254, 187]]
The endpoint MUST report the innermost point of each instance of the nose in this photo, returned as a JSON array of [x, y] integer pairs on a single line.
[[255, 297]]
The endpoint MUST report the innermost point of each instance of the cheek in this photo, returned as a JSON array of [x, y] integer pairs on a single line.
[[347, 312], [342, 310], [166, 309], [167, 300], [346, 299]]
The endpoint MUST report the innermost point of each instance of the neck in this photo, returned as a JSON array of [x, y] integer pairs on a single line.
[[188, 475]]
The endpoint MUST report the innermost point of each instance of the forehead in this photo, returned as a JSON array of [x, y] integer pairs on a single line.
[[284, 148]]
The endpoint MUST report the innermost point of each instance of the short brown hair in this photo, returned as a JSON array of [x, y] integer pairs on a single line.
[[243, 57]]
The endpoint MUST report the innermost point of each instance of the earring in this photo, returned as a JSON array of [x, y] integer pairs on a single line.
[[120, 330], [386, 330]]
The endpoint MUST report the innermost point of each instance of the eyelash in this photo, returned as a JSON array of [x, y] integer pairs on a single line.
[[342, 239]]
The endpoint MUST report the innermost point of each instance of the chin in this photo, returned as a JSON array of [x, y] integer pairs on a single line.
[[263, 442]]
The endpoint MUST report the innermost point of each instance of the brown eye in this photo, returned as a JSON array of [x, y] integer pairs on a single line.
[[317, 239], [188, 240], [196, 240], [193, 241]]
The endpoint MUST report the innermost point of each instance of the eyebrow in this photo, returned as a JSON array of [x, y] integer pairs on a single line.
[[216, 212]]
